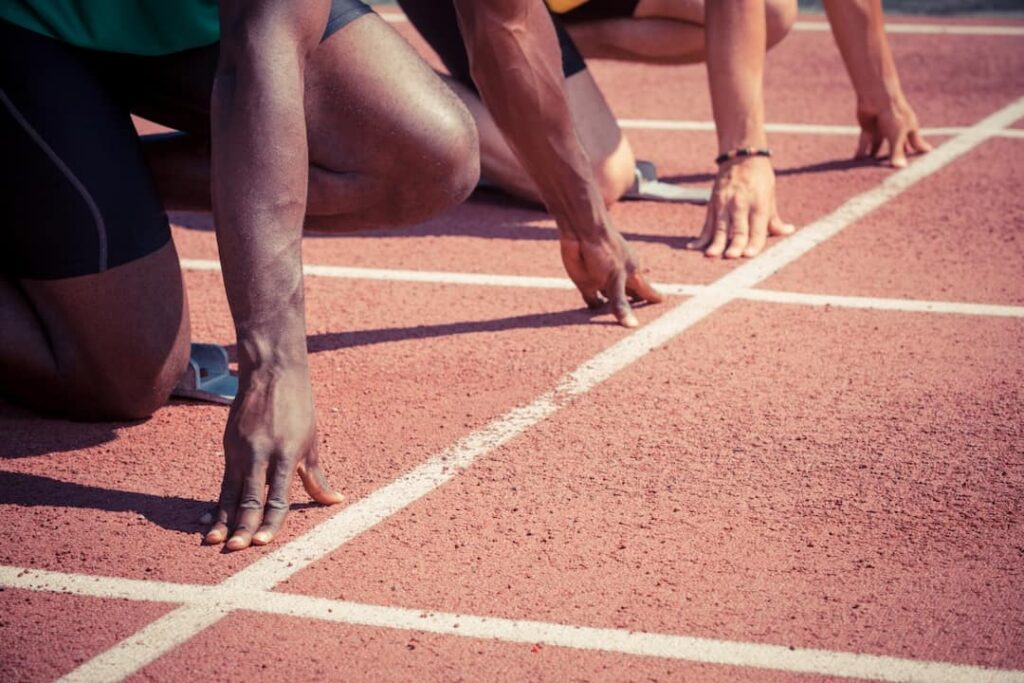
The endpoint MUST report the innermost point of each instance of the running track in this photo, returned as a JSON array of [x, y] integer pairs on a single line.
[[808, 466]]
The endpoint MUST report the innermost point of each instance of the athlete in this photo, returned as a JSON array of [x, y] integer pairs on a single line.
[[285, 108], [731, 36]]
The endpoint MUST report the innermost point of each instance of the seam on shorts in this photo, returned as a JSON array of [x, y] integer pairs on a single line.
[[101, 226]]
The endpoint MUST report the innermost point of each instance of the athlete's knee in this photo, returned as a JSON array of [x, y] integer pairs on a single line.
[[780, 15], [616, 173], [131, 388], [441, 168]]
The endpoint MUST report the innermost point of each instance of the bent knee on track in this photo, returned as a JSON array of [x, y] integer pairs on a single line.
[[110, 390], [438, 170], [616, 173], [780, 15]]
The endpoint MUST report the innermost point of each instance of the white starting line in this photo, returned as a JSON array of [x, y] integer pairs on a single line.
[[216, 601], [673, 125], [165, 634], [926, 29], [746, 293]]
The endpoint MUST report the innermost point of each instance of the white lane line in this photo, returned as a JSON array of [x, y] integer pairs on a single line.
[[217, 600], [926, 29], [131, 655], [672, 289], [422, 276], [881, 304], [397, 17], [165, 634], [667, 125]]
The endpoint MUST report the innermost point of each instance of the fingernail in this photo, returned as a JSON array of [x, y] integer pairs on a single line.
[[206, 518], [262, 538]]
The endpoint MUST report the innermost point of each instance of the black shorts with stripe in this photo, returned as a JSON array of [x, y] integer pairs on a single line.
[[77, 197]]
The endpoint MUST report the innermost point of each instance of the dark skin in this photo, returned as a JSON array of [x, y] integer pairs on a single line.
[[111, 345], [106, 346], [513, 57], [271, 431]]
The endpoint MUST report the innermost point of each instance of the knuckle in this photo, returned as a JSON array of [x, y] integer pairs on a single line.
[[277, 502], [250, 503]]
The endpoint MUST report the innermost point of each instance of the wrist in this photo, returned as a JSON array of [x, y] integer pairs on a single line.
[[272, 350], [741, 153], [587, 221], [880, 96], [745, 132]]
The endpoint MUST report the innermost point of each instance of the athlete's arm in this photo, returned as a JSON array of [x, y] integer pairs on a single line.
[[260, 173], [742, 212], [882, 110], [515, 64]]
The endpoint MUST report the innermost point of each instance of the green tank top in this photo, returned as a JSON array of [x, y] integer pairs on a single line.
[[139, 27]]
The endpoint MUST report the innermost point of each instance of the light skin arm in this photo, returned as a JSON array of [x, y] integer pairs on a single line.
[[515, 64], [742, 211], [882, 110], [259, 197]]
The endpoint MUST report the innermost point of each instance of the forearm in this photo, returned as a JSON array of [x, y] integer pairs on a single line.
[[516, 66], [736, 44], [858, 27], [260, 174]]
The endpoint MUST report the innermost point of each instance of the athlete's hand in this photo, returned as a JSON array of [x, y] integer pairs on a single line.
[[742, 212], [604, 268], [892, 122], [270, 435]]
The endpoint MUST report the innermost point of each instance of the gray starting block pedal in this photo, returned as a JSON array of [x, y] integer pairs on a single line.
[[208, 376], [647, 186]]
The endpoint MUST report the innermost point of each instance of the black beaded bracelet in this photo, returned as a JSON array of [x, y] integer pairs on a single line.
[[743, 152]]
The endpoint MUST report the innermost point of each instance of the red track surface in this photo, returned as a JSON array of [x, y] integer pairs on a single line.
[[845, 481]]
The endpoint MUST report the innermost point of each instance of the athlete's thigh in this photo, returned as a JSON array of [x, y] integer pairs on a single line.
[[85, 238], [118, 340], [371, 101]]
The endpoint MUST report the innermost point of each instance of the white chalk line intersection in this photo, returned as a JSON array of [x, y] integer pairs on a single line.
[[213, 602]]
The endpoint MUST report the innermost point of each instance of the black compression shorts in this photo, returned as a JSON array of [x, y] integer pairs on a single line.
[[439, 26], [77, 197], [594, 10]]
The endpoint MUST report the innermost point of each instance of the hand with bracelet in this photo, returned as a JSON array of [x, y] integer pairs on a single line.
[[742, 212]]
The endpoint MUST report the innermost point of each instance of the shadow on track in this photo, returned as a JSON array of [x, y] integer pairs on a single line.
[[26, 434], [330, 341], [819, 167], [31, 490], [487, 215], [169, 512]]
